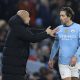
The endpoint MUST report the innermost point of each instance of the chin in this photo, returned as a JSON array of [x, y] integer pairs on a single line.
[[63, 22], [27, 23]]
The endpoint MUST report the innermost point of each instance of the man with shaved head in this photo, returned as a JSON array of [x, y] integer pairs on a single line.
[[16, 49]]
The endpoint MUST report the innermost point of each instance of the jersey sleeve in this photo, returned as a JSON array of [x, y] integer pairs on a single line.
[[54, 49], [78, 50]]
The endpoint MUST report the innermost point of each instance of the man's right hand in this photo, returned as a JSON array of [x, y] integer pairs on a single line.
[[52, 32], [51, 64]]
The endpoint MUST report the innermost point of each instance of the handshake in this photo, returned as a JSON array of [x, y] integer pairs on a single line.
[[51, 32]]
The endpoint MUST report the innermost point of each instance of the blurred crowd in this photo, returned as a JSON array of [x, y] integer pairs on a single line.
[[43, 13]]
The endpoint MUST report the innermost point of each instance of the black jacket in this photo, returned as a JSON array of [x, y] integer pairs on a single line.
[[16, 50]]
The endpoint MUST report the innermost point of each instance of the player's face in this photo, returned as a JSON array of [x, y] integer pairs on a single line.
[[63, 17]]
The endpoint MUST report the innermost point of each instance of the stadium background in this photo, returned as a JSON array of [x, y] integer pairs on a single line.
[[43, 13]]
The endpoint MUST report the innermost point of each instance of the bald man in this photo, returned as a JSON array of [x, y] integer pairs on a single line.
[[16, 49]]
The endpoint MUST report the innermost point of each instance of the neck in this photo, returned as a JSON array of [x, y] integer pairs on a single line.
[[69, 23]]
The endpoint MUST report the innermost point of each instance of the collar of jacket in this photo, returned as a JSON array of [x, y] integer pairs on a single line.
[[16, 20], [20, 21]]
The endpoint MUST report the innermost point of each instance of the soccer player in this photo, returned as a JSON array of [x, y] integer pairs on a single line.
[[68, 42]]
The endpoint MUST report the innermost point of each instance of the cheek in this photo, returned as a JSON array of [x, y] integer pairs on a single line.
[[66, 19], [29, 19], [63, 19]]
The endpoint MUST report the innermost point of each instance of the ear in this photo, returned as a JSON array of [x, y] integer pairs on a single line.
[[70, 16]]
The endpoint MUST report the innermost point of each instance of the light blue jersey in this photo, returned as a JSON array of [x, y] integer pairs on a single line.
[[67, 42]]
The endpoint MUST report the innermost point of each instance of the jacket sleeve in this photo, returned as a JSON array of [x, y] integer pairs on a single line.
[[25, 34], [54, 49]]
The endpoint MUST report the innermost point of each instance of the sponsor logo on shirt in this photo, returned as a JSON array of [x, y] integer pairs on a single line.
[[66, 30], [67, 37]]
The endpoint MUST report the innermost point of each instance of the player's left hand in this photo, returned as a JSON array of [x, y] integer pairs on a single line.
[[73, 60]]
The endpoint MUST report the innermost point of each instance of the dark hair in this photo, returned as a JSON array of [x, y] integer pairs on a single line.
[[69, 11]]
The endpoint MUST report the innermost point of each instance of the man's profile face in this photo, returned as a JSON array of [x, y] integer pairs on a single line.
[[24, 15], [26, 18], [63, 17]]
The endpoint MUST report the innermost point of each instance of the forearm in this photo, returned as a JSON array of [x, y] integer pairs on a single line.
[[54, 50], [78, 52]]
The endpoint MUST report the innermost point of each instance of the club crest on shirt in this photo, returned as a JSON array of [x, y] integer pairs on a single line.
[[72, 30]]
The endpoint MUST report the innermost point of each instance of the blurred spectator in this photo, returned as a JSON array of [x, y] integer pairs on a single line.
[[44, 12], [3, 32], [39, 23], [46, 74], [34, 66], [77, 17], [29, 5]]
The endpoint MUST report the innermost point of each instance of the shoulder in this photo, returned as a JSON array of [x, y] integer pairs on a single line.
[[12, 19], [77, 25], [60, 27]]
